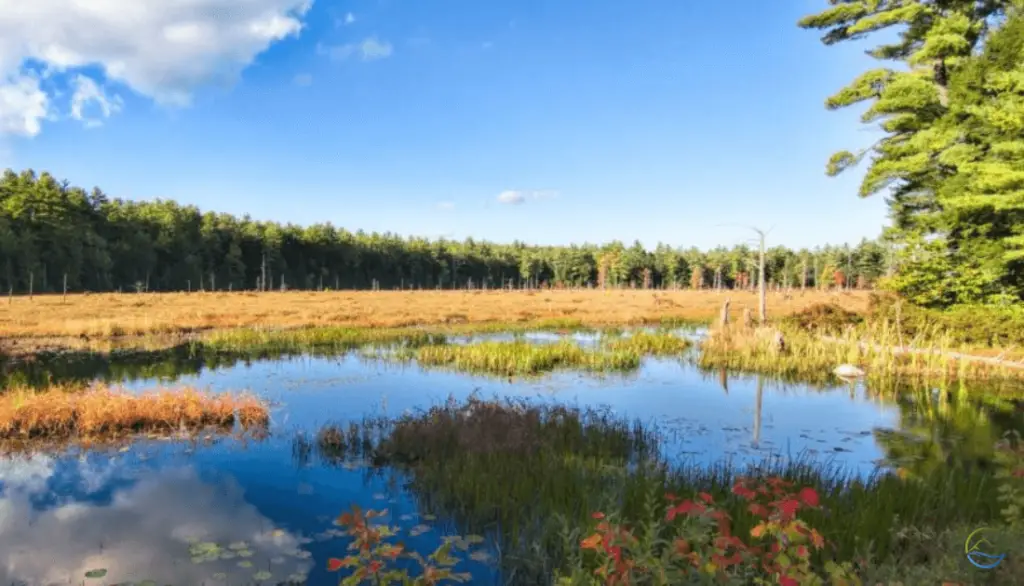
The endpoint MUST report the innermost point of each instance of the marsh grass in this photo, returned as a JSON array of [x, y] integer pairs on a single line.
[[333, 339], [878, 348], [102, 412], [523, 358], [642, 342], [180, 313], [533, 473]]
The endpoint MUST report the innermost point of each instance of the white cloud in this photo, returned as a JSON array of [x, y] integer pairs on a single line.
[[303, 79], [517, 196], [349, 18], [511, 197], [368, 49], [144, 531], [446, 205], [23, 105], [88, 94], [162, 50]]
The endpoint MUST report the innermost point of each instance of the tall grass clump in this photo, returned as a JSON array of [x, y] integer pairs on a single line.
[[524, 358], [659, 343], [877, 348], [98, 412], [321, 338]]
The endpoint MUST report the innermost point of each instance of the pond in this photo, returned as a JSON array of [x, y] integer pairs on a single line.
[[237, 511]]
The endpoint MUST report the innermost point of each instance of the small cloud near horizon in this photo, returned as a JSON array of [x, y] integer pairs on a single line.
[[517, 197], [446, 205], [369, 49]]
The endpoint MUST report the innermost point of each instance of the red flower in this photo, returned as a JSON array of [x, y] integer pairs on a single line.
[[740, 489], [598, 515], [334, 564], [787, 581], [759, 510], [684, 508], [788, 508], [705, 497], [809, 496]]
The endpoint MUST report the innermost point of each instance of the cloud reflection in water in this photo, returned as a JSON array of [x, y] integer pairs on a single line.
[[143, 532]]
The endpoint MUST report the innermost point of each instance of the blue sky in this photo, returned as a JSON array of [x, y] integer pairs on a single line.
[[550, 121]]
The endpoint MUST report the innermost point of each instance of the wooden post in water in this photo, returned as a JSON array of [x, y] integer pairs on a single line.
[[724, 320], [31, 283], [64, 295], [757, 410]]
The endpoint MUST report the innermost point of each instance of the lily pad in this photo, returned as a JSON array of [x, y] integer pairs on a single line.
[[96, 573], [245, 564], [480, 556], [244, 553], [220, 576], [262, 575]]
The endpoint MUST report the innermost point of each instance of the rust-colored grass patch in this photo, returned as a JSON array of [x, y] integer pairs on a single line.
[[113, 315], [104, 412]]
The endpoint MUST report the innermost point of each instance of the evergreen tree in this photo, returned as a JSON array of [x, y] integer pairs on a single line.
[[951, 157]]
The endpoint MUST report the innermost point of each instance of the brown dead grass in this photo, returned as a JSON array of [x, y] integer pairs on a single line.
[[103, 412], [110, 316]]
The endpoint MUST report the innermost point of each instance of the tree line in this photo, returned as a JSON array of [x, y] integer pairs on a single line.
[[56, 237], [949, 97]]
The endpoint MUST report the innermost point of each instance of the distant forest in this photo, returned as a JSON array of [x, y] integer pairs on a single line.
[[53, 235]]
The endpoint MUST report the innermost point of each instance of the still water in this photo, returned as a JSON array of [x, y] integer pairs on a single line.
[[227, 511]]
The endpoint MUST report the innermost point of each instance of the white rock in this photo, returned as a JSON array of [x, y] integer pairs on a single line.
[[848, 371]]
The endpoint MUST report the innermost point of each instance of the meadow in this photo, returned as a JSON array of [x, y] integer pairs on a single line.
[[145, 314]]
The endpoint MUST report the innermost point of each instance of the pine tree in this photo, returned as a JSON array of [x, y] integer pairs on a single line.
[[951, 157]]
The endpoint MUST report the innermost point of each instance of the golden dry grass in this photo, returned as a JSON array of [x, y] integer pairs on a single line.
[[129, 314], [103, 412]]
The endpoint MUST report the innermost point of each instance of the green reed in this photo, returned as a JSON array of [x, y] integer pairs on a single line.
[[877, 348]]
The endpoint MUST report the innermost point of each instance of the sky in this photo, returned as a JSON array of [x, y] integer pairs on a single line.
[[544, 121]]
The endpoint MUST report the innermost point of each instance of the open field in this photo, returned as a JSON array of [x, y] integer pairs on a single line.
[[130, 314]]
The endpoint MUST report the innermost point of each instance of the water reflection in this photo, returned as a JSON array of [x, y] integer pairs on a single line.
[[62, 518], [142, 518]]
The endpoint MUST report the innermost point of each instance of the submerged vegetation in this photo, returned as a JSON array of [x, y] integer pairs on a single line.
[[100, 412], [466, 462]]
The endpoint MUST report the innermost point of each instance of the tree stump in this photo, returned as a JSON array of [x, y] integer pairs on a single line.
[[748, 318], [724, 320], [779, 342]]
